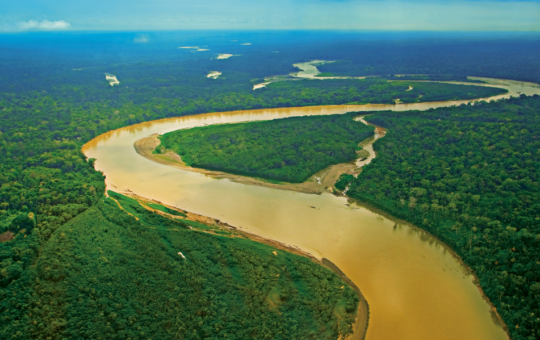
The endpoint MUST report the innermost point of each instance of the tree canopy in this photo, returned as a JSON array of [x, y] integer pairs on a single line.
[[112, 275], [289, 149]]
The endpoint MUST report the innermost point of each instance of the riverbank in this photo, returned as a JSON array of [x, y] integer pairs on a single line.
[[374, 208], [362, 314], [327, 177]]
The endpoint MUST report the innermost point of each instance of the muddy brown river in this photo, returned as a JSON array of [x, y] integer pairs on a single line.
[[415, 287]]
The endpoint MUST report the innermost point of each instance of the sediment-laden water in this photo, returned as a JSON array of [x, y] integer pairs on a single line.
[[415, 287]]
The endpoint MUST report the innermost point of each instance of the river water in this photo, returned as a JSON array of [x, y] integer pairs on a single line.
[[415, 287]]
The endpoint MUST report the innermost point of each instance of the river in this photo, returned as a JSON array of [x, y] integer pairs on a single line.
[[415, 287]]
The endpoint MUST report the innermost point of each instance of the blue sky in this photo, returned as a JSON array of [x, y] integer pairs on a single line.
[[30, 15]]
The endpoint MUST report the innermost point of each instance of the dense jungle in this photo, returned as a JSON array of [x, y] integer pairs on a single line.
[[469, 175], [75, 264], [289, 149]]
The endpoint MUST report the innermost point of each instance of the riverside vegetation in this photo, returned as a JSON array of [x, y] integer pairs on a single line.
[[470, 176], [43, 170], [67, 254]]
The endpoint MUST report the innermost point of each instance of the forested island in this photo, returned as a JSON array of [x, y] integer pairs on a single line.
[[289, 149]]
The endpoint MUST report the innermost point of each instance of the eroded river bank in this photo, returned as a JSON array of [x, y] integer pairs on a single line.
[[415, 287]]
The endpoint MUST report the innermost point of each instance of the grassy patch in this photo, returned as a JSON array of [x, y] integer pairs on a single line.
[[165, 209]]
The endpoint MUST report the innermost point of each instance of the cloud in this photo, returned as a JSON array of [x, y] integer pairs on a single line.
[[141, 39], [44, 25]]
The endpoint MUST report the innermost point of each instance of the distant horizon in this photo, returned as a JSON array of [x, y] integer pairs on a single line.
[[401, 15], [269, 29]]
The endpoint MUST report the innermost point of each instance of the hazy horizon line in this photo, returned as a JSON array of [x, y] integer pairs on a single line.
[[264, 29]]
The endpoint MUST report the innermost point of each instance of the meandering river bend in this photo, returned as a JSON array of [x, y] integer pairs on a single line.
[[415, 287]]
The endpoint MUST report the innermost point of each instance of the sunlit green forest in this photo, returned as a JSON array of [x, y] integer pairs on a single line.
[[289, 149], [105, 274], [469, 175], [43, 170]]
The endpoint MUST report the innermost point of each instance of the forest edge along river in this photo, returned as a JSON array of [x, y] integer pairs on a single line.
[[415, 286], [318, 183]]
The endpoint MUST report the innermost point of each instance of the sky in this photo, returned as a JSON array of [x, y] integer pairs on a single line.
[[113, 15]]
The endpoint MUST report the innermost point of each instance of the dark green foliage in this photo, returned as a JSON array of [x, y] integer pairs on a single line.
[[370, 90], [41, 166], [22, 222], [136, 103], [15, 257], [45, 63], [106, 275], [470, 175], [325, 74], [343, 181], [434, 77], [289, 149], [48, 111]]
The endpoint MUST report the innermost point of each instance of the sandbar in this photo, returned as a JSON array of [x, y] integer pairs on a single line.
[[225, 56], [111, 78], [214, 74], [196, 48]]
